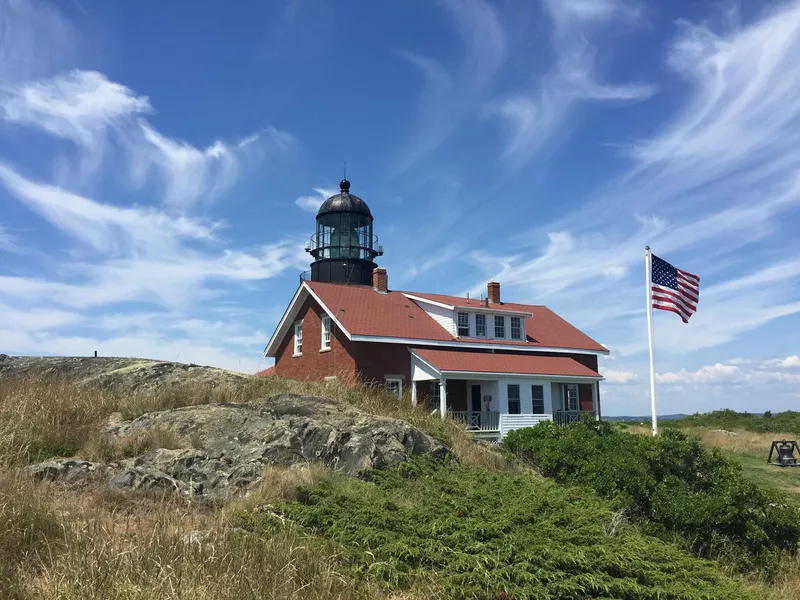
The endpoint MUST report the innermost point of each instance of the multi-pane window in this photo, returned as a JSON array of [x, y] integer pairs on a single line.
[[480, 325], [434, 396], [572, 396], [326, 333], [513, 399], [499, 326], [463, 324], [298, 338], [394, 386], [516, 328], [537, 394]]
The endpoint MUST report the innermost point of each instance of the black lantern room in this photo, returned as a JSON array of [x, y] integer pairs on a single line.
[[344, 247]]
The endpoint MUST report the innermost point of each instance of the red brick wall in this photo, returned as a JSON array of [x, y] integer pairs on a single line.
[[369, 361], [373, 361], [313, 364]]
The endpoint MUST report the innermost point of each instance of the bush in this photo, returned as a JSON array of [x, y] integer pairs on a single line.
[[673, 482], [462, 532], [783, 422]]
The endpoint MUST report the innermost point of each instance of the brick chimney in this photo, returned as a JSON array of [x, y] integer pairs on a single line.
[[493, 289], [380, 281]]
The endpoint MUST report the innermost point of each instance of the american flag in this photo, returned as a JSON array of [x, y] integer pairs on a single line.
[[673, 289]]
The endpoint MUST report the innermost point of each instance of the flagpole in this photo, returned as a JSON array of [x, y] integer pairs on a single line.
[[648, 265]]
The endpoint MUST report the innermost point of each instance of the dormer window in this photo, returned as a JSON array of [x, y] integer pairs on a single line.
[[499, 327], [463, 324], [516, 328], [480, 325]]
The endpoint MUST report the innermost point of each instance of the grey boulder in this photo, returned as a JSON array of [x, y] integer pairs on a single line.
[[228, 445]]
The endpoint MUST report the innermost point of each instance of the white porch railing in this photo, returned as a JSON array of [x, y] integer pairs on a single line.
[[478, 420], [564, 417]]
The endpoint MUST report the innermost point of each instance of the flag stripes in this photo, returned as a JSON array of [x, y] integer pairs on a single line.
[[673, 289]]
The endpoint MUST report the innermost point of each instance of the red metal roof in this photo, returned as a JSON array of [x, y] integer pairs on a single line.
[[363, 311], [488, 362]]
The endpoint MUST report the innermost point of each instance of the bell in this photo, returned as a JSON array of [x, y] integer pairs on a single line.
[[785, 453]]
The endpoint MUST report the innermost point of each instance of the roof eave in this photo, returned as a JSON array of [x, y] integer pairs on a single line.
[[446, 373], [455, 343]]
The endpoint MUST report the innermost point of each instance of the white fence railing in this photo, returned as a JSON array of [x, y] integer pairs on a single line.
[[564, 417], [478, 420]]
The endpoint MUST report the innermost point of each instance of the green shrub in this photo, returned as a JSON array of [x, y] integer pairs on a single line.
[[468, 533], [783, 422], [673, 482]]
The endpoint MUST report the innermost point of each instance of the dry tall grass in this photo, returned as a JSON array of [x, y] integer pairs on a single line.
[[736, 440], [57, 543]]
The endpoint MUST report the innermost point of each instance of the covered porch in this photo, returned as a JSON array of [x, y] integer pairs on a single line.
[[494, 393]]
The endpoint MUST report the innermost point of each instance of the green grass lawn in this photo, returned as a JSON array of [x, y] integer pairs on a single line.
[[785, 479]]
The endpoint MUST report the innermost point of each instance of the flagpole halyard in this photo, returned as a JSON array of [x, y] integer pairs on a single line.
[[649, 285]]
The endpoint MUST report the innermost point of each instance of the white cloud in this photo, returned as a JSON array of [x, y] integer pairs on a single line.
[[88, 109], [706, 374], [105, 228], [312, 203], [745, 87], [790, 362], [79, 105], [616, 376]]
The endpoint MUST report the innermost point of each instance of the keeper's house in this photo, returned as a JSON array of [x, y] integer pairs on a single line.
[[494, 365]]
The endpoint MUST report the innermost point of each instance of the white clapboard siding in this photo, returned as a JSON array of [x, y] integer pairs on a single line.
[[511, 422], [443, 316]]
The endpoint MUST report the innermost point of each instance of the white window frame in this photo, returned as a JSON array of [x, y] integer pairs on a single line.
[[435, 395], [480, 317], [459, 325], [325, 341], [518, 398], [398, 381], [570, 388], [533, 399], [298, 338], [500, 319], [518, 328]]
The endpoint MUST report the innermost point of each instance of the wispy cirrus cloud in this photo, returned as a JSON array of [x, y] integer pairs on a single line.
[[105, 228], [533, 116], [100, 116], [126, 279], [714, 178], [451, 93], [23, 27], [147, 255], [312, 203], [7, 241]]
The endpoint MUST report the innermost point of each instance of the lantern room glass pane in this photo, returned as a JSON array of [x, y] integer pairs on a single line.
[[344, 235]]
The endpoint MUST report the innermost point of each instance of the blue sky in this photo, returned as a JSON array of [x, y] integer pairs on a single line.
[[161, 163]]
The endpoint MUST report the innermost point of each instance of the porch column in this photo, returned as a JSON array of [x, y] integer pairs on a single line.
[[413, 393], [594, 401], [442, 397]]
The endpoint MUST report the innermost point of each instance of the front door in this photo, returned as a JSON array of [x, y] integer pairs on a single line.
[[476, 398]]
